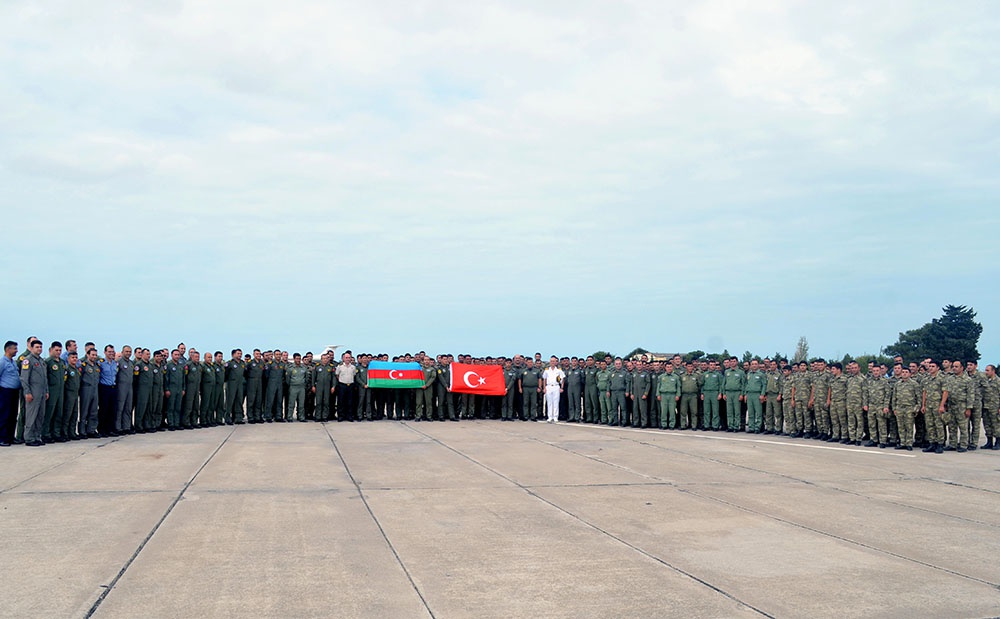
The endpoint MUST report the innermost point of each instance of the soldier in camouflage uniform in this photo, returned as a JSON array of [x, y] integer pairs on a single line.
[[905, 403], [819, 400], [991, 408], [876, 404], [772, 404], [787, 418], [838, 404], [961, 399], [855, 404], [934, 407], [976, 419]]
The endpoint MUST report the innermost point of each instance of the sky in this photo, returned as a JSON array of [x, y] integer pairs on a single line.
[[498, 177]]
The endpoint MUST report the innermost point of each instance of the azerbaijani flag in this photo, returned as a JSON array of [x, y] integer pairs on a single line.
[[395, 375]]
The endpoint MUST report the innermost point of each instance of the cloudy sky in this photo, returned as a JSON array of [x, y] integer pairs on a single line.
[[499, 177]]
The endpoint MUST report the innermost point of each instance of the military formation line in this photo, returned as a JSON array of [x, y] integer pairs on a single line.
[[936, 405]]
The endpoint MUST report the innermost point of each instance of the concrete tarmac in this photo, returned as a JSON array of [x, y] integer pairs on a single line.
[[491, 519]]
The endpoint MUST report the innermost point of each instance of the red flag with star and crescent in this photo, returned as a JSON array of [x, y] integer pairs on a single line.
[[478, 379]]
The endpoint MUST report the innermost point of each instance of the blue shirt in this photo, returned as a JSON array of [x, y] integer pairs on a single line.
[[10, 376], [109, 371], [65, 357]]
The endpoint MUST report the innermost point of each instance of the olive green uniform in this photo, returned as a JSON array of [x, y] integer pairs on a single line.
[[668, 391], [55, 372], [192, 395], [754, 387], [711, 389], [297, 378], [690, 390], [734, 380]]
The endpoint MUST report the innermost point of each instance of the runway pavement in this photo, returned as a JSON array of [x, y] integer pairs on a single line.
[[490, 519]]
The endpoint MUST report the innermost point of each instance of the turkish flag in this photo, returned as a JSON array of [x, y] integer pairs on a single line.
[[478, 379]]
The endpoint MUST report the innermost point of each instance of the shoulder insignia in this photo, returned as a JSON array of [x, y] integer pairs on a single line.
[[25, 364]]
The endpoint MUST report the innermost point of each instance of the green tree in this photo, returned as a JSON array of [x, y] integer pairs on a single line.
[[694, 355], [955, 335], [747, 356], [638, 351], [801, 350], [601, 354]]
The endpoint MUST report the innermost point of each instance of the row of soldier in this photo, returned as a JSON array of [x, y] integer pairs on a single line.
[[116, 394]]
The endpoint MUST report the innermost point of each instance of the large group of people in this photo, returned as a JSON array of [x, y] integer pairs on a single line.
[[936, 405]]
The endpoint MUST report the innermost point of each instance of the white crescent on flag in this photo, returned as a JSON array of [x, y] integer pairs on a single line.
[[466, 379], [391, 377]]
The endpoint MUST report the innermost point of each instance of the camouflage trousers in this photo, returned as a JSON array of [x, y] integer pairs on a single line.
[[801, 417], [855, 422], [975, 426], [958, 427], [878, 426], [904, 422], [990, 423], [934, 426], [788, 417], [822, 412], [838, 419]]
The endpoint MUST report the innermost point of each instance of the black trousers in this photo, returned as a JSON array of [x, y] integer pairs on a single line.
[[347, 402], [8, 413], [107, 400]]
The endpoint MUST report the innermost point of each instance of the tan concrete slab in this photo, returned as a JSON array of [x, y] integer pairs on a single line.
[[265, 555], [59, 550], [493, 519], [503, 553]]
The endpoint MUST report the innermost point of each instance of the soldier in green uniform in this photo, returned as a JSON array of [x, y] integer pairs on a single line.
[[838, 404], [991, 408], [206, 412], [142, 380], [510, 375], [961, 399], [591, 394], [711, 395], [905, 403], [219, 398], [755, 394], [173, 388], [71, 398], [819, 399], [855, 404], [733, 382], [690, 390], [322, 386], [192, 391], [275, 370], [425, 394], [365, 408], [934, 407], [528, 387], [876, 404], [255, 387], [574, 391], [602, 378], [619, 386], [297, 376], [668, 394], [307, 360], [124, 392], [35, 387], [55, 373], [641, 394], [19, 430], [235, 369], [90, 374]]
